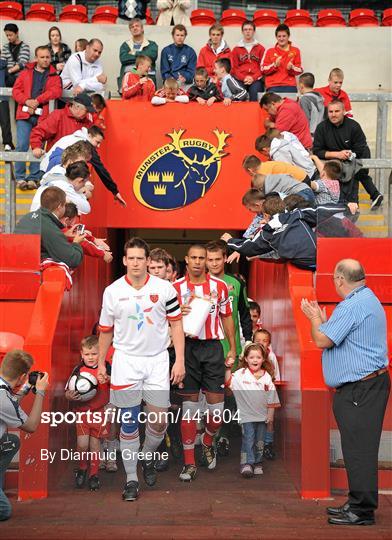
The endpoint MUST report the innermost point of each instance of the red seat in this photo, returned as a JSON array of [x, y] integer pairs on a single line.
[[363, 17], [298, 17], [105, 15], [266, 17], [233, 17], [11, 11], [202, 17], [387, 17], [74, 13], [41, 12], [330, 17], [149, 19], [8, 342]]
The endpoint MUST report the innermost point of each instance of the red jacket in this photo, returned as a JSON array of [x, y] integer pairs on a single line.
[[280, 76], [132, 89], [207, 57], [59, 123], [329, 96], [246, 63], [291, 117], [23, 86], [88, 246]]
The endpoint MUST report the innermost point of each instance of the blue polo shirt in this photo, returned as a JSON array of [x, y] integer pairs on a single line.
[[358, 329]]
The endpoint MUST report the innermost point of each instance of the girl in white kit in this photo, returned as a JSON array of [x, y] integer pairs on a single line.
[[257, 400]]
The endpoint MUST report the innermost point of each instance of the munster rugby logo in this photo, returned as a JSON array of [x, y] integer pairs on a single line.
[[179, 173]]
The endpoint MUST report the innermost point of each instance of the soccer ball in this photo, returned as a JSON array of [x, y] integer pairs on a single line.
[[85, 384]]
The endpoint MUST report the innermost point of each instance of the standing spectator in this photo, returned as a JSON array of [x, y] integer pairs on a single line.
[[34, 88], [333, 91], [355, 363], [230, 88], [15, 54], [286, 115], [136, 84], [83, 72], [215, 48], [59, 51], [311, 101], [282, 63], [130, 9], [204, 91], [178, 60], [246, 58], [170, 93], [61, 122], [172, 12], [45, 221], [134, 47], [340, 137]]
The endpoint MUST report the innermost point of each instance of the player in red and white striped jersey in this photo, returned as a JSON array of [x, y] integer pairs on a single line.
[[204, 359]]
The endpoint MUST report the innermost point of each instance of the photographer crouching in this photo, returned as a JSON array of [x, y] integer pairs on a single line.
[[15, 383]]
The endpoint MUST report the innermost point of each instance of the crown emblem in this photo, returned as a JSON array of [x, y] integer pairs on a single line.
[[160, 190], [153, 177], [168, 176]]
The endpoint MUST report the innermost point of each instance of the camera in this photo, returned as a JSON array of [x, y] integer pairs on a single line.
[[80, 228], [33, 376]]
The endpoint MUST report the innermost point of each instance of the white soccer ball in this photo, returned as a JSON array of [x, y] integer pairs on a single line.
[[85, 384]]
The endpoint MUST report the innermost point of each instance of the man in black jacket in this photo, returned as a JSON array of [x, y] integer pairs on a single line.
[[46, 222], [340, 137]]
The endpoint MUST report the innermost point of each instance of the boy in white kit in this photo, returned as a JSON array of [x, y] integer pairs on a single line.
[[135, 314]]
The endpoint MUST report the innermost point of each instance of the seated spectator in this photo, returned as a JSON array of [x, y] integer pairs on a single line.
[[37, 84], [311, 101], [286, 115], [131, 9], [246, 59], [136, 84], [59, 51], [178, 60], [279, 149], [340, 137], [83, 71], [334, 91], [170, 93], [45, 221], [137, 45], [230, 88], [61, 122], [99, 105], [173, 12], [80, 45], [14, 55], [74, 180], [282, 184], [204, 91], [93, 247], [282, 63], [253, 165], [327, 188], [216, 48]]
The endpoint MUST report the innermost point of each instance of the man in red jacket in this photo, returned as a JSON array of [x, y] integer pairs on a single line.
[[62, 122], [246, 61], [216, 48], [37, 84], [286, 115]]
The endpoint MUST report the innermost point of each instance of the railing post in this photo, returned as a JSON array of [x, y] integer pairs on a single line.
[[10, 199], [381, 140]]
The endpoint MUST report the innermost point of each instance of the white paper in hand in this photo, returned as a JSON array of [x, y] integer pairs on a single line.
[[194, 321]]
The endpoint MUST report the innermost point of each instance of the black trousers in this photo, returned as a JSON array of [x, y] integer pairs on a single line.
[[359, 410]]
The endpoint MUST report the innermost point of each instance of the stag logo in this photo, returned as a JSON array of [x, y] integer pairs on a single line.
[[180, 172]]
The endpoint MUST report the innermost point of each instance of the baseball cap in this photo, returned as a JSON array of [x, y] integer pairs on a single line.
[[85, 99]]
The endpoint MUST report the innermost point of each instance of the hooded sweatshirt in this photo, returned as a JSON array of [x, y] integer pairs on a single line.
[[246, 60], [312, 103], [208, 55], [282, 150]]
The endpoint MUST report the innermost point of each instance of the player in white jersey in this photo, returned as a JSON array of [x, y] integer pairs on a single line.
[[135, 314], [204, 359]]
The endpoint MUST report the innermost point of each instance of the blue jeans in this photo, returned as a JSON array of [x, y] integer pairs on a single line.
[[252, 442], [283, 89], [23, 130], [254, 88], [307, 194], [5, 459]]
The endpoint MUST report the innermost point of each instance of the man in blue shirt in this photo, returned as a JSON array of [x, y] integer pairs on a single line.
[[178, 61], [354, 360]]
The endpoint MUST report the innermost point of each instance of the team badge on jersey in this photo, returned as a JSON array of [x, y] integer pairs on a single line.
[[180, 172], [154, 298]]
